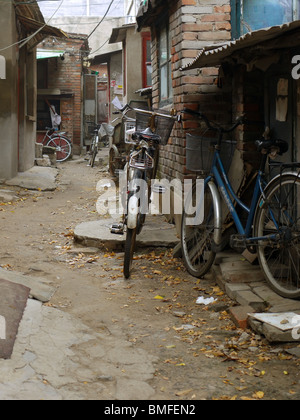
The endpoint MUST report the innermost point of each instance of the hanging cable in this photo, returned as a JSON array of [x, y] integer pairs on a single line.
[[93, 52], [26, 40], [106, 13]]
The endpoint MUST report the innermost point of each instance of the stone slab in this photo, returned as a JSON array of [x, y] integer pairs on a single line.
[[233, 288], [246, 284], [57, 357], [248, 298], [40, 288], [36, 178], [12, 304], [272, 334], [155, 233], [240, 272], [270, 297]]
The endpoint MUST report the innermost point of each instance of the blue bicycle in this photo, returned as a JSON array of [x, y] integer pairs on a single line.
[[272, 227]]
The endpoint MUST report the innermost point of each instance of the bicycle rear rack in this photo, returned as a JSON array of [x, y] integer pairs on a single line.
[[137, 160]]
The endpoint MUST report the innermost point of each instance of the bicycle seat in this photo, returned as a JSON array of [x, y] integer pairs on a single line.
[[268, 145], [148, 135]]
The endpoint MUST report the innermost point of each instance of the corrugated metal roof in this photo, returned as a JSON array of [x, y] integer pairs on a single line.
[[213, 55], [33, 25]]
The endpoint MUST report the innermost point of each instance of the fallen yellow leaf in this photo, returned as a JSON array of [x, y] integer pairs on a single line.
[[183, 393], [259, 395]]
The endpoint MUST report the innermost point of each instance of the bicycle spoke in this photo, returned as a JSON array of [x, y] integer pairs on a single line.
[[63, 148], [197, 240], [280, 258]]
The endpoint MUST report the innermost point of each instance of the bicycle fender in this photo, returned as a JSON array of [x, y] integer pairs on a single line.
[[274, 180], [133, 210], [218, 213], [115, 149]]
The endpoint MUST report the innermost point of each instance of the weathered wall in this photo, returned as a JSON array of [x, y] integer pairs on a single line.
[[66, 75], [133, 65], [27, 108], [193, 24], [8, 95]]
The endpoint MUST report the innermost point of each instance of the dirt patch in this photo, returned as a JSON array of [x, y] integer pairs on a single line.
[[198, 352]]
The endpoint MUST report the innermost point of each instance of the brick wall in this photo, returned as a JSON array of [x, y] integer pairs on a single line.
[[66, 75], [193, 24]]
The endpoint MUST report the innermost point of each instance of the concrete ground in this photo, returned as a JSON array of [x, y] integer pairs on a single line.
[[87, 333]]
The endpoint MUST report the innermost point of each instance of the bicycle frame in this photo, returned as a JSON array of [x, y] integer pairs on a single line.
[[222, 181], [55, 133]]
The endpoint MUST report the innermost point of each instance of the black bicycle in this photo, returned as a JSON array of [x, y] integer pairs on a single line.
[[153, 129]]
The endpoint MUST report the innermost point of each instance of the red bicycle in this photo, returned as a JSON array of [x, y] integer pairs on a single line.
[[60, 142]]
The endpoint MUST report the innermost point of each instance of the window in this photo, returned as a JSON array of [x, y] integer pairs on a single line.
[[146, 64], [251, 15], [43, 112], [164, 64]]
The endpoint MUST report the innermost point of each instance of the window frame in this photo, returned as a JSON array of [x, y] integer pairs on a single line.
[[163, 27], [146, 37]]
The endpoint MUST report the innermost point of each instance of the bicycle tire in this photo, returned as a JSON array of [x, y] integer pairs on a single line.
[[93, 155], [63, 147], [280, 259], [197, 240], [129, 251], [113, 156]]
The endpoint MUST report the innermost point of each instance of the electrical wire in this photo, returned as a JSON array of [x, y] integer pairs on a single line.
[[24, 41], [93, 52], [106, 13]]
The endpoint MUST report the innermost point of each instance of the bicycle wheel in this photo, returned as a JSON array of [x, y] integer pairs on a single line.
[[94, 152], [129, 251], [63, 147], [279, 216], [197, 239], [113, 160]]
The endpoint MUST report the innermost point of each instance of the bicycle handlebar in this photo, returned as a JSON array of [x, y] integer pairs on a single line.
[[128, 107], [125, 108], [215, 127]]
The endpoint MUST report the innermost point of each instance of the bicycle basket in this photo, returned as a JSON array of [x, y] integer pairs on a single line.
[[129, 127], [164, 127], [200, 152], [142, 121]]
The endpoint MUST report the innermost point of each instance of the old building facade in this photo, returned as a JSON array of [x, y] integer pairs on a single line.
[[22, 29], [179, 29], [224, 60], [60, 84]]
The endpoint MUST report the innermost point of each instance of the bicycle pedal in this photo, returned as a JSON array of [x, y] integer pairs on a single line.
[[238, 241], [117, 229]]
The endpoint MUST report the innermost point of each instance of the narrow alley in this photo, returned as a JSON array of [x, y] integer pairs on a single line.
[[102, 337]]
